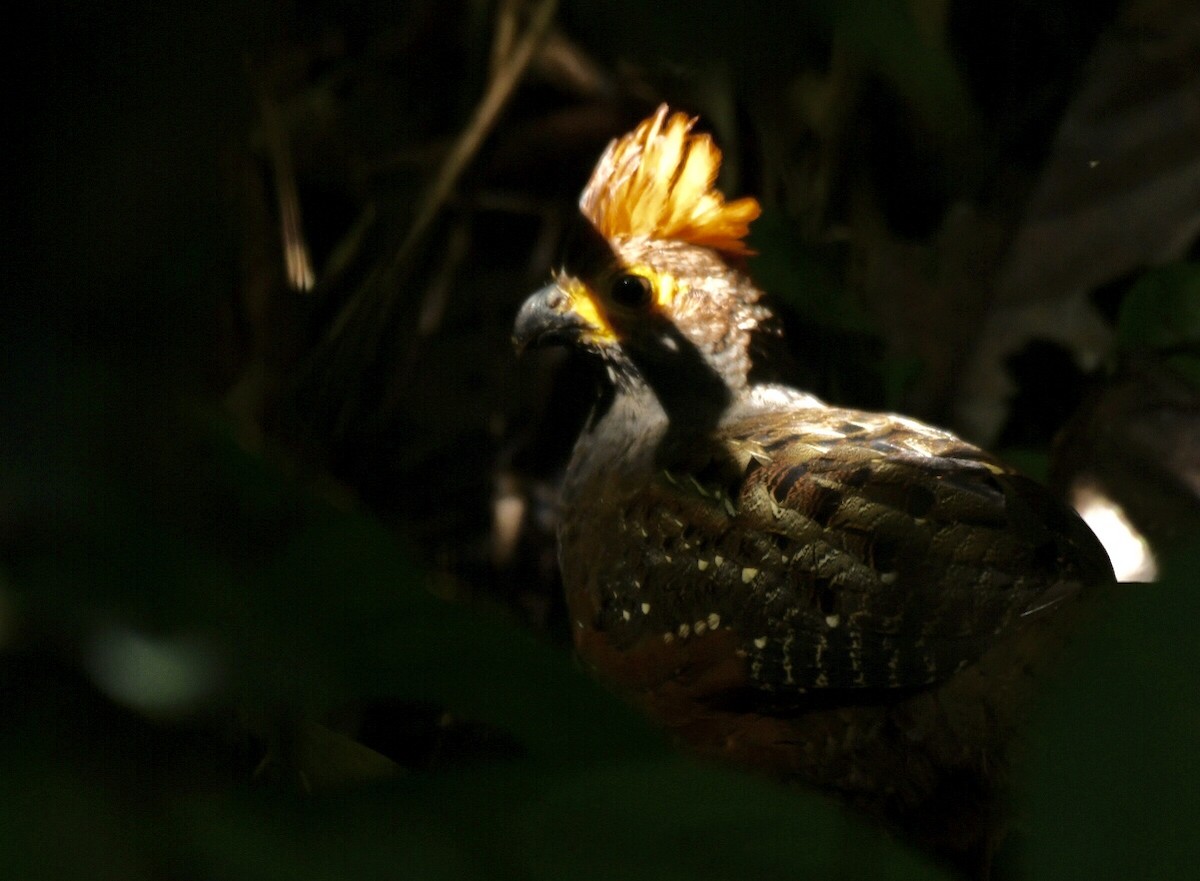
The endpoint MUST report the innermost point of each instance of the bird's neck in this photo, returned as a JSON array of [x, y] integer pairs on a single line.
[[658, 424]]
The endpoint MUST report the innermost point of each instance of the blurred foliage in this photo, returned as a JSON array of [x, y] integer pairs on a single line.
[[1161, 313], [278, 594], [1112, 768]]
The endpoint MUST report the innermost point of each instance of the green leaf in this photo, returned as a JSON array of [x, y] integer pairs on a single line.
[[655, 820], [1113, 787], [1031, 462], [886, 34], [899, 374], [789, 269], [1162, 310], [299, 603]]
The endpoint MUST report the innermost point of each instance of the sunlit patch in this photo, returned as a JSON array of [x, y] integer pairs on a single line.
[[156, 675], [584, 305], [1130, 553], [508, 515], [666, 287]]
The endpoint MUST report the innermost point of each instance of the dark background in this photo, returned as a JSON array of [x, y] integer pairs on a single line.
[[278, 594]]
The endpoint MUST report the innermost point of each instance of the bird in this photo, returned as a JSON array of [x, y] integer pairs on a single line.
[[857, 601]]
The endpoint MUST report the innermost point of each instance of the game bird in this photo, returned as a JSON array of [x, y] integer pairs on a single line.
[[855, 600]]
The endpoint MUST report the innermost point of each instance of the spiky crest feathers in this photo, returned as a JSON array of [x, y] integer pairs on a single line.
[[657, 181]]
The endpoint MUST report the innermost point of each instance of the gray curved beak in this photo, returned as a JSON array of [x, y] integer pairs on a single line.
[[545, 319]]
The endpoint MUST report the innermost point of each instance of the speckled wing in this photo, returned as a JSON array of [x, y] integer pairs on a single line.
[[816, 553], [891, 554]]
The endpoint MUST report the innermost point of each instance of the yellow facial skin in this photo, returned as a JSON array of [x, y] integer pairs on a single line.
[[583, 303], [603, 316]]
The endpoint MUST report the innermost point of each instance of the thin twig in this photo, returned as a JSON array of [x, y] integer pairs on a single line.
[[506, 32], [486, 113], [437, 294], [296, 259]]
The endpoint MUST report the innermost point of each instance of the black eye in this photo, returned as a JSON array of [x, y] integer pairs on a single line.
[[631, 290]]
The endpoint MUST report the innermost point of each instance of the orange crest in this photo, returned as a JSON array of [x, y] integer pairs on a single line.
[[657, 181]]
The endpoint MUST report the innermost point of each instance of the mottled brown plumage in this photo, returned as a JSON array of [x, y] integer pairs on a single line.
[[853, 599]]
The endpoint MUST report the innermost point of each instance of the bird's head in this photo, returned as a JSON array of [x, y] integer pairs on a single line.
[[650, 286]]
